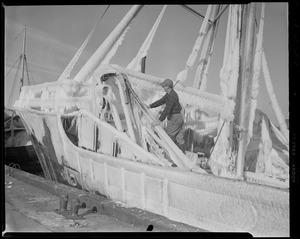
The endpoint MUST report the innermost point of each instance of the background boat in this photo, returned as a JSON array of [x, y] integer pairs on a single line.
[[19, 151]]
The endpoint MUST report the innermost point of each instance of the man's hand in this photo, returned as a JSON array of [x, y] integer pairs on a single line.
[[148, 106], [156, 122]]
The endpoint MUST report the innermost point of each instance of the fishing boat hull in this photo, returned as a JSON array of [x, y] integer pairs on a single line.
[[201, 200]]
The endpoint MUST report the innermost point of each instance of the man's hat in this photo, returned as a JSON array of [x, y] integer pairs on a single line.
[[167, 82]]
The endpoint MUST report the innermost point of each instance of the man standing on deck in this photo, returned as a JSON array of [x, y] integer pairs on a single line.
[[173, 113]]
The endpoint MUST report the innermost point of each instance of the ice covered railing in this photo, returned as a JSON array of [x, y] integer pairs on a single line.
[[188, 96], [63, 96], [198, 130], [200, 121]]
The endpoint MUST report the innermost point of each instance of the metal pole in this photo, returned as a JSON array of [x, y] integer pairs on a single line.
[[23, 56], [195, 13], [143, 69], [12, 128]]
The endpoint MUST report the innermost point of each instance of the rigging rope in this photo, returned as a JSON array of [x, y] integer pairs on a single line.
[[12, 91], [25, 60], [220, 13], [195, 13], [13, 65], [27, 65], [14, 40], [217, 137], [70, 66], [19, 34]]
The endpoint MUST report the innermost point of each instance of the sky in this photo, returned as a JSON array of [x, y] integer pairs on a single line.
[[54, 34]]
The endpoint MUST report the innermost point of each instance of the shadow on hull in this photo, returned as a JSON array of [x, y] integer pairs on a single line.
[[24, 157]]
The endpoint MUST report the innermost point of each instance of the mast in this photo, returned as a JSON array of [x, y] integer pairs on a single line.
[[200, 80], [105, 47], [138, 62], [23, 58], [244, 89], [274, 103]]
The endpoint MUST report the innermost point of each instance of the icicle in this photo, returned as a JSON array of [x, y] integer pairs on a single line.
[[135, 64], [264, 160], [229, 71], [182, 76], [234, 53], [232, 89], [272, 96], [113, 51], [200, 81], [223, 158], [224, 72], [201, 73], [279, 135], [257, 69]]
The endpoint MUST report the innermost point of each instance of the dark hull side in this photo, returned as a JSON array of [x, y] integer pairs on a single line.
[[46, 154], [24, 157]]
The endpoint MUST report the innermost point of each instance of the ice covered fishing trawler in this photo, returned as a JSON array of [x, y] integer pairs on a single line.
[[94, 132]]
